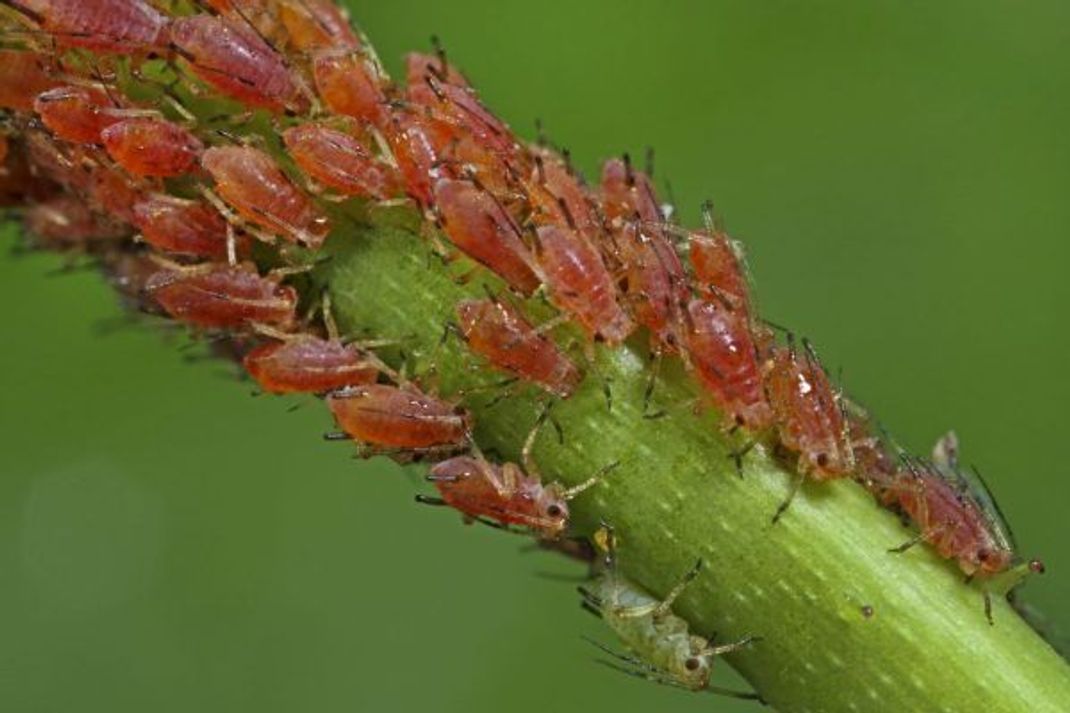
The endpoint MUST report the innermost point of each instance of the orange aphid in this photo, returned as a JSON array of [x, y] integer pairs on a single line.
[[350, 83], [251, 182], [113, 191], [23, 76], [419, 66], [721, 350], [309, 364], [219, 296], [120, 26], [627, 194], [231, 56], [653, 281], [152, 147], [385, 416], [77, 114], [184, 227], [477, 224], [460, 105], [340, 161], [498, 332], [580, 284], [809, 418], [719, 270], [317, 24]]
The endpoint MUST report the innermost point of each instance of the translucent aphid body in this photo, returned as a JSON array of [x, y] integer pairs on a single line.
[[339, 161], [251, 182], [77, 114], [480, 228], [308, 364], [218, 296], [152, 147], [722, 352], [316, 24], [383, 416], [23, 76], [809, 417], [350, 83], [498, 332], [184, 227], [117, 26], [580, 285], [230, 56]]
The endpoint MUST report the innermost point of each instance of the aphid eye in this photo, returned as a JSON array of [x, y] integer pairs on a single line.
[[822, 459], [554, 510], [983, 555], [692, 664]]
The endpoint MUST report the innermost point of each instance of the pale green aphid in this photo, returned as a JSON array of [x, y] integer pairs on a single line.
[[661, 645]]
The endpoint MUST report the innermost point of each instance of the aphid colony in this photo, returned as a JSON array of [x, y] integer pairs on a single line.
[[95, 165]]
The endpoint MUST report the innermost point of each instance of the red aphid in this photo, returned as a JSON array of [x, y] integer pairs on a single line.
[[502, 493], [67, 223], [129, 271], [119, 26], [580, 285], [653, 281], [251, 182], [78, 114], [558, 196], [628, 194], [317, 24], [809, 419], [221, 296], [152, 147], [340, 161], [420, 66], [52, 160], [309, 364], [184, 227], [498, 332], [721, 350], [23, 76], [231, 56], [350, 83], [719, 269], [460, 105], [385, 416], [112, 191], [478, 225]]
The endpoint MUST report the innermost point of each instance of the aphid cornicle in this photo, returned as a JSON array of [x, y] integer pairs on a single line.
[[497, 331], [381, 416], [185, 227], [661, 645], [339, 161], [219, 296], [152, 147], [117, 26], [250, 182], [229, 55]]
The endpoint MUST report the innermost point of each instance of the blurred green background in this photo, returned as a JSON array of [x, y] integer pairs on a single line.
[[899, 172]]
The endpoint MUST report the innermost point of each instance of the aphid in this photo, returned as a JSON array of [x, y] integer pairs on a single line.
[[23, 76], [339, 161], [66, 222], [119, 26], [720, 272], [350, 83], [722, 352], [317, 24], [662, 646], [497, 331], [419, 66], [113, 191], [391, 417], [306, 363], [232, 57], [51, 160], [79, 114], [184, 227], [250, 182], [152, 147], [478, 225], [460, 105], [579, 283], [129, 271], [219, 296], [505, 494], [628, 194], [653, 282], [558, 197]]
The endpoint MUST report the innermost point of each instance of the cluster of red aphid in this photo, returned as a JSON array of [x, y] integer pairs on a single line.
[[94, 164]]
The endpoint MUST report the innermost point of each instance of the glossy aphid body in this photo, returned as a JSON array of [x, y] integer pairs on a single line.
[[184, 227], [23, 77], [115, 26], [340, 162], [477, 224], [497, 331], [152, 147], [382, 416], [78, 114], [661, 645], [316, 25], [720, 273], [232, 57], [250, 182], [306, 363], [221, 296], [351, 83]]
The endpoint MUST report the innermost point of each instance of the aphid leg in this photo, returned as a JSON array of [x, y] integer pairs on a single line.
[[529, 443], [651, 383], [429, 500], [666, 604], [920, 537], [735, 646], [988, 606], [591, 609], [740, 453], [232, 245], [595, 479], [796, 484]]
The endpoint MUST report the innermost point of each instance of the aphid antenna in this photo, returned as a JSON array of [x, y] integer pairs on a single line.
[[567, 212], [591, 609], [629, 172], [650, 161]]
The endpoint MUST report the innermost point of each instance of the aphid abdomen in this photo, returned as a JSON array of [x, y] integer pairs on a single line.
[[77, 114], [184, 227], [350, 84], [719, 271], [653, 286], [499, 333], [152, 147], [221, 296], [118, 26], [233, 58], [308, 364], [392, 417], [23, 76], [580, 284], [339, 161], [480, 228], [251, 182], [316, 24]]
